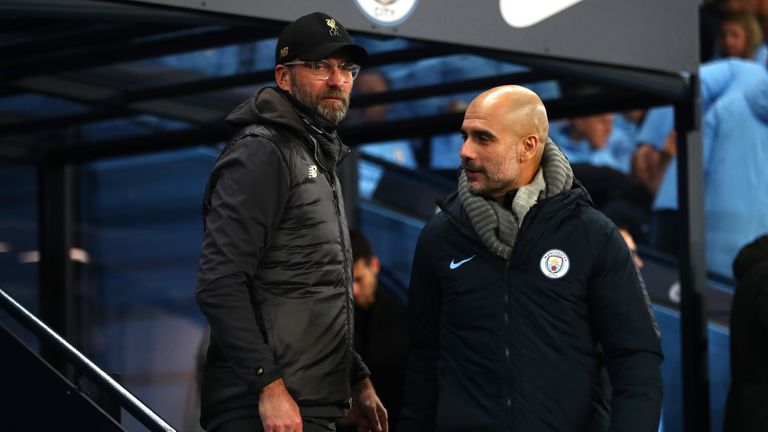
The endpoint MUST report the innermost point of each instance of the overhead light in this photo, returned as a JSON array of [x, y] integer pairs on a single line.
[[79, 255], [29, 257], [75, 254], [5, 247]]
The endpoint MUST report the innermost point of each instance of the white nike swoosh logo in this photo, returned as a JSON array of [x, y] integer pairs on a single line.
[[455, 265], [523, 13]]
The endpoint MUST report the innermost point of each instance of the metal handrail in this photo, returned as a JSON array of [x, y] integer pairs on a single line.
[[129, 402]]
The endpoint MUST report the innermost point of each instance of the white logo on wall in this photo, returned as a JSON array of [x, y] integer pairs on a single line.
[[387, 12], [525, 13], [674, 292], [555, 264]]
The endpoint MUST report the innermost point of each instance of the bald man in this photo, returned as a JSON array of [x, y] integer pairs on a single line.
[[526, 312]]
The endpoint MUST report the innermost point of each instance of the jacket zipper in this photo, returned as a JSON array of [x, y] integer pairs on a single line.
[[330, 177], [507, 286], [347, 302]]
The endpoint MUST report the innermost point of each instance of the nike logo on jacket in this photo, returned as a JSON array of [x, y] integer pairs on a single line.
[[455, 265]]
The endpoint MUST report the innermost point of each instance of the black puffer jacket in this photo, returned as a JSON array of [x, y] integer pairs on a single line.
[[559, 338], [275, 271]]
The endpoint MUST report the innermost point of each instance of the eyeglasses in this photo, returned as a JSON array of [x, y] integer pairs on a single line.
[[322, 69]]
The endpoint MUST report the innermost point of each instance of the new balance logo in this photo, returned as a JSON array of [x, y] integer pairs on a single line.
[[312, 171], [454, 265]]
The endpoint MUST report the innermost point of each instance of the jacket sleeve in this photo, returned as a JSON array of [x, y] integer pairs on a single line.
[[762, 303], [245, 197], [626, 328], [420, 394], [709, 136], [359, 370]]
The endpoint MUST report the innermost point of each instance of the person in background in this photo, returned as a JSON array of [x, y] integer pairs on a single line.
[[381, 332], [370, 82], [741, 37], [629, 121], [649, 162], [274, 277], [399, 151], [745, 409], [526, 310], [600, 157], [586, 140], [632, 246], [719, 79], [711, 15], [735, 153]]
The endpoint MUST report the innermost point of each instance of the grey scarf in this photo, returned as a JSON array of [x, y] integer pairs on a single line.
[[498, 226]]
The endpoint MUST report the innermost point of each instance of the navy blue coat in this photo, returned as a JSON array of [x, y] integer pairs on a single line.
[[559, 338]]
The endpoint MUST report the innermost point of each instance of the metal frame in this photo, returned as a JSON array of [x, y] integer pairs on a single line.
[[68, 353]]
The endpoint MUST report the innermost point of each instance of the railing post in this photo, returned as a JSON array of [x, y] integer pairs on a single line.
[[690, 186], [55, 210]]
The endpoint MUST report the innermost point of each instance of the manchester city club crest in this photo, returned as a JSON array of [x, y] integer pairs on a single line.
[[554, 264], [387, 12]]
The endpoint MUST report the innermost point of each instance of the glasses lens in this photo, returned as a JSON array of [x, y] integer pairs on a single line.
[[320, 68], [351, 70], [323, 69]]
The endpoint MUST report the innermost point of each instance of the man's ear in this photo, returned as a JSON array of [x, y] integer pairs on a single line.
[[528, 147], [375, 264], [283, 77]]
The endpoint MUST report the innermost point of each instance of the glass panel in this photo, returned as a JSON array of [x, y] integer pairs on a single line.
[[18, 242], [128, 127], [32, 105], [141, 225]]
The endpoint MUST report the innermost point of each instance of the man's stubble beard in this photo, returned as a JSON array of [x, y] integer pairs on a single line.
[[493, 183], [489, 188], [332, 113]]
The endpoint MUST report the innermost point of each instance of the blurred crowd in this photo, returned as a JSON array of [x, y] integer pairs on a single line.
[[627, 160]]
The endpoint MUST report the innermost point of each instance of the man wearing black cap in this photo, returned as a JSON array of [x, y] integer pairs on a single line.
[[275, 280]]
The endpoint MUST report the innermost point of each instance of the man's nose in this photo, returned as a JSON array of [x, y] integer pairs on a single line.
[[335, 79], [467, 150]]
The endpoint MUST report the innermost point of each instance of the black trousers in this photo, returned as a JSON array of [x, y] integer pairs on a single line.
[[253, 424]]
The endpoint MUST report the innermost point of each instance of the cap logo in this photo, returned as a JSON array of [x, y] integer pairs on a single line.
[[334, 31], [283, 52], [554, 264]]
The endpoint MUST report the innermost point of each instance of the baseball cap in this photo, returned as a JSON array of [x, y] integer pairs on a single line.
[[314, 37]]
